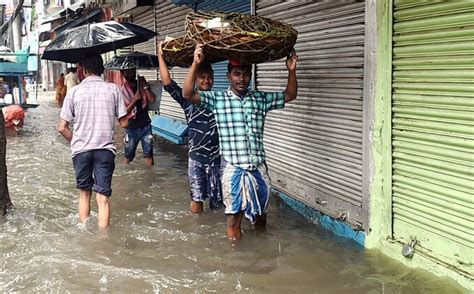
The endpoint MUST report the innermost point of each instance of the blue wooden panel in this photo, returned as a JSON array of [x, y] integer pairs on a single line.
[[169, 129]]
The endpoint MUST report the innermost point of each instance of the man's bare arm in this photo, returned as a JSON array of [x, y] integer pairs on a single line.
[[188, 88], [123, 121], [292, 85], [63, 129], [164, 72]]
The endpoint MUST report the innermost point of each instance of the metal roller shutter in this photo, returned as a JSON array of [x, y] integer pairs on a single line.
[[433, 129], [314, 146], [170, 22], [147, 20]]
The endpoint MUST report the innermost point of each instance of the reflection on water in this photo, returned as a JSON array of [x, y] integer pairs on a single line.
[[155, 245]]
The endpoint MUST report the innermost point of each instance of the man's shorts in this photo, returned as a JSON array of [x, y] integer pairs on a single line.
[[245, 190], [94, 170], [135, 136], [205, 182]]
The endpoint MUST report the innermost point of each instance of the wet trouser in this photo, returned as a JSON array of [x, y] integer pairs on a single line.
[[204, 182]]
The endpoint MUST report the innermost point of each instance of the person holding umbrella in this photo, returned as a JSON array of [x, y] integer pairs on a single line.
[[92, 107], [204, 158], [137, 95]]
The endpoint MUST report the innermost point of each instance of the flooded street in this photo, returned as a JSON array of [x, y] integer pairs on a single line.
[[155, 245]]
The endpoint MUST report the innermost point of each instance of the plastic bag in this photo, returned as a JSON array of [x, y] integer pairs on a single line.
[[14, 116]]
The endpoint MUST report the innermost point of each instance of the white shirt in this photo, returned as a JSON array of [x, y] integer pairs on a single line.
[[71, 80]]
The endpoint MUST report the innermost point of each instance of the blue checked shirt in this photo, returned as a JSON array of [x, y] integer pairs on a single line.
[[240, 122]]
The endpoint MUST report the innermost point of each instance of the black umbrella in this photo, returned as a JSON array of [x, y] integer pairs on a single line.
[[132, 60], [81, 42]]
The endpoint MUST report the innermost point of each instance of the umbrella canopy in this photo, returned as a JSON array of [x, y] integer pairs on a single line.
[[132, 60], [81, 42]]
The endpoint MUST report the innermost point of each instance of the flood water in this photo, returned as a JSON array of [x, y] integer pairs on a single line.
[[155, 245]]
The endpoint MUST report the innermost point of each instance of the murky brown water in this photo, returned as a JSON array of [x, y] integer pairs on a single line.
[[155, 245]]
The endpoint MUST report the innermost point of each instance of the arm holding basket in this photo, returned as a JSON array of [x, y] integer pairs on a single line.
[[292, 86], [164, 72], [188, 88]]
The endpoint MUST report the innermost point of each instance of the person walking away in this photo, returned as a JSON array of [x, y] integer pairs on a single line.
[[240, 115], [71, 79], [92, 107], [60, 90], [137, 95], [203, 139]]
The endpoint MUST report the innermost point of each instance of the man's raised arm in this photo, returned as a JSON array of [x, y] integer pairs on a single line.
[[164, 72], [188, 88], [292, 86]]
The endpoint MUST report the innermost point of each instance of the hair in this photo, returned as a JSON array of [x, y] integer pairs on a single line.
[[230, 66], [93, 65], [205, 67]]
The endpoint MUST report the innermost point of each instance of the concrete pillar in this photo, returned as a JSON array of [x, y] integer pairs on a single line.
[[16, 29]]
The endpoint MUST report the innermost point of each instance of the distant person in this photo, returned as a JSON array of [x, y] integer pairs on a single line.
[[203, 139], [92, 106], [16, 94], [71, 79], [60, 90], [240, 115], [137, 95], [4, 88]]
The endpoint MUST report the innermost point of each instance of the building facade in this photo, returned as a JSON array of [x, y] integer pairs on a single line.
[[378, 146]]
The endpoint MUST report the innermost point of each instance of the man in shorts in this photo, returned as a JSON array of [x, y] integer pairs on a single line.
[[138, 95], [92, 107]]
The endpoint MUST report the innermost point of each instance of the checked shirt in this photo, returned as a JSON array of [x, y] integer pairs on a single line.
[[240, 121]]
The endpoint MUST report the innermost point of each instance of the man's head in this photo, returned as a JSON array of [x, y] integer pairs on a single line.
[[205, 77], [93, 65], [129, 74], [239, 75]]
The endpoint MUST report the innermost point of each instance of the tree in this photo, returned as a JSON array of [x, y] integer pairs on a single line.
[[5, 201]]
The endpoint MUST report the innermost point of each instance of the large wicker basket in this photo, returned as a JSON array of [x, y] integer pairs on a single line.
[[247, 38], [180, 52]]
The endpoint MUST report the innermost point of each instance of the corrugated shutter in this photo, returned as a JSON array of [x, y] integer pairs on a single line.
[[314, 145], [170, 22], [433, 129], [146, 20], [124, 50]]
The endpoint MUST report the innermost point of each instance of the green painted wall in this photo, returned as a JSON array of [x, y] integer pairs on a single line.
[[380, 234]]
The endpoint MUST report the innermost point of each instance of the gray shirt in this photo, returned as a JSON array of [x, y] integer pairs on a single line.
[[92, 107]]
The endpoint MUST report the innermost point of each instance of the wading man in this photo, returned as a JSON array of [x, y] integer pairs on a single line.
[[92, 107], [203, 139], [240, 115], [137, 95]]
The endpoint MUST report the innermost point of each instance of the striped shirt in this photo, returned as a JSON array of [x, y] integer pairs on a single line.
[[92, 107], [203, 138], [240, 122]]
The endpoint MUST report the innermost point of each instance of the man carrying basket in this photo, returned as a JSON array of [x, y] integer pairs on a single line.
[[240, 115]]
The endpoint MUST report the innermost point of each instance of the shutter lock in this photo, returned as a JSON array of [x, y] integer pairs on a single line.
[[409, 249]]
